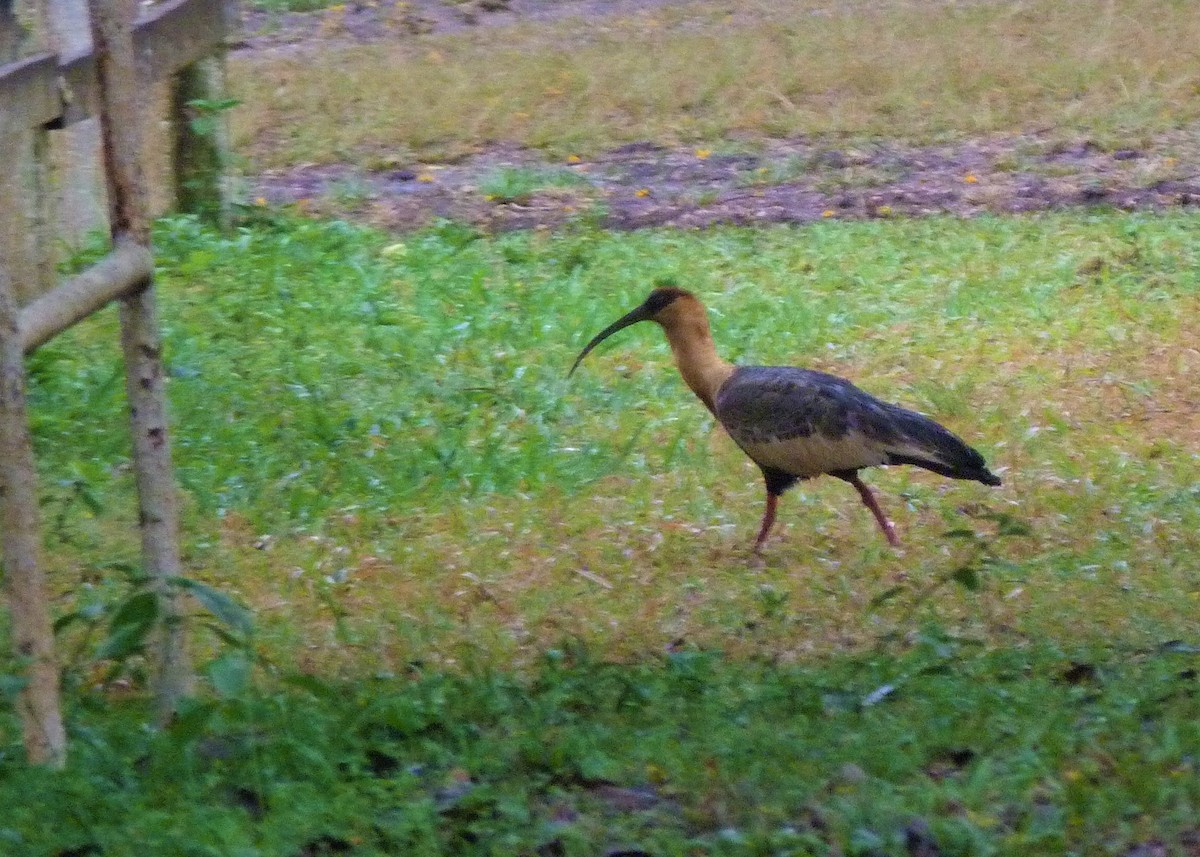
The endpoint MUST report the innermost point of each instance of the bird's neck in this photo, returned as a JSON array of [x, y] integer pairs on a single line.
[[696, 356]]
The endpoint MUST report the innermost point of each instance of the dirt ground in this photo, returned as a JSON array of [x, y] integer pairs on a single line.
[[748, 181]]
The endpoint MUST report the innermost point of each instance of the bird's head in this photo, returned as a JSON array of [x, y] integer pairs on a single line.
[[665, 305]]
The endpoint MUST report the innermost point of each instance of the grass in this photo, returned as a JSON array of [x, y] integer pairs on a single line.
[[519, 184], [1013, 752], [382, 454], [537, 595], [1115, 70]]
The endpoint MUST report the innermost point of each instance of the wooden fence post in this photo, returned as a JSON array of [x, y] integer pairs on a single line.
[[12, 33], [200, 138], [74, 203], [24, 580], [128, 215], [25, 240], [33, 636]]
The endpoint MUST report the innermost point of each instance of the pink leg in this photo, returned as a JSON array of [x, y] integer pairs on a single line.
[[873, 505], [767, 521]]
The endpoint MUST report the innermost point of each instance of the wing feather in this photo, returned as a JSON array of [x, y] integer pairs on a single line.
[[805, 423]]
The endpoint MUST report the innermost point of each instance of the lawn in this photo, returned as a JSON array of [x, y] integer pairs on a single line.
[[497, 610], [1116, 72]]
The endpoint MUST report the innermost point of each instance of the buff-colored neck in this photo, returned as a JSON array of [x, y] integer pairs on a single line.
[[686, 326]]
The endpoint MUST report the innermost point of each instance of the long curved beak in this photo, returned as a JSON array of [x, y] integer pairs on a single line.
[[639, 314]]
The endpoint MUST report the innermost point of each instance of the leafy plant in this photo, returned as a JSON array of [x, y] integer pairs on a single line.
[[207, 112]]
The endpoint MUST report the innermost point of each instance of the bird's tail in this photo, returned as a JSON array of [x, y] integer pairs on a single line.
[[932, 446]]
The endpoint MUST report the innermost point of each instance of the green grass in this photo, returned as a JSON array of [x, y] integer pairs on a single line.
[[381, 451], [381, 455], [1116, 71], [1014, 752], [519, 184]]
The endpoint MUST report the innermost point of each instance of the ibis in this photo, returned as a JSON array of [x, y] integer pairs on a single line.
[[794, 423]]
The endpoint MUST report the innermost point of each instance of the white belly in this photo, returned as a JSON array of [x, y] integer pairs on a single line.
[[813, 455]]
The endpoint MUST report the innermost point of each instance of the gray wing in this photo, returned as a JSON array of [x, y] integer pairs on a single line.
[[805, 422]]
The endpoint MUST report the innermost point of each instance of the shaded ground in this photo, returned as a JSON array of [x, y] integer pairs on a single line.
[[745, 182]]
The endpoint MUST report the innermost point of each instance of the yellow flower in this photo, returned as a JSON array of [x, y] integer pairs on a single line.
[[643, 191], [260, 201], [573, 159], [703, 153], [829, 212], [970, 178], [425, 177], [884, 210]]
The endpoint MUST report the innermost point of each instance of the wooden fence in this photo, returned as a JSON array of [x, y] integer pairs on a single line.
[[181, 39]]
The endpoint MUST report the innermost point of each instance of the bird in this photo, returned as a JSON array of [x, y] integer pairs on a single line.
[[795, 423]]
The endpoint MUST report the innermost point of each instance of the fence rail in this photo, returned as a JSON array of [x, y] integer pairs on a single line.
[[46, 90]]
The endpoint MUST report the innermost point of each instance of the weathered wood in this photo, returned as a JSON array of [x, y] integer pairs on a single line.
[[24, 581], [29, 93], [142, 347], [168, 37], [12, 33], [76, 204], [126, 269], [177, 33], [201, 142], [24, 241], [120, 100], [17, 252], [158, 507]]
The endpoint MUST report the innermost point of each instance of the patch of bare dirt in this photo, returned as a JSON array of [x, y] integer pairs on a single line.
[[788, 181], [362, 21]]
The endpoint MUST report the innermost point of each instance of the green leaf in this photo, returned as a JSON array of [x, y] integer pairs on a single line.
[[66, 621], [123, 642], [129, 626], [230, 673], [226, 636], [223, 606], [89, 498], [213, 105], [141, 608], [191, 721], [968, 576], [202, 126], [11, 685], [313, 685]]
